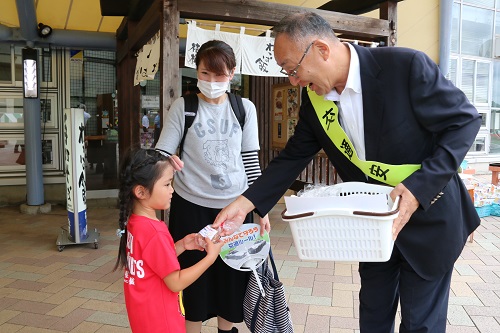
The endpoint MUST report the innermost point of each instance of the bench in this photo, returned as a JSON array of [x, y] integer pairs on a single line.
[[495, 169]]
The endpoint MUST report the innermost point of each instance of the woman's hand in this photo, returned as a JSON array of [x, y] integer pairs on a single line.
[[176, 162]]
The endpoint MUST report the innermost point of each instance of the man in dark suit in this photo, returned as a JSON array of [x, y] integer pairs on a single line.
[[396, 108]]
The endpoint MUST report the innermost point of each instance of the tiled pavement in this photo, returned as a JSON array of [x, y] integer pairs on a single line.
[[43, 290]]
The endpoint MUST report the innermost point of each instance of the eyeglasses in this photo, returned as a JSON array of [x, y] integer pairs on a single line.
[[293, 73]]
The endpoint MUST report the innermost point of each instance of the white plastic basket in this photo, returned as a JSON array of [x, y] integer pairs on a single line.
[[346, 234]]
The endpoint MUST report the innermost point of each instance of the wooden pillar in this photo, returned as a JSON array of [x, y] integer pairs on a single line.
[[169, 62], [128, 103], [388, 11], [169, 59]]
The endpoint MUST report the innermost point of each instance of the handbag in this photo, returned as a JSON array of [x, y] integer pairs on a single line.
[[268, 313]]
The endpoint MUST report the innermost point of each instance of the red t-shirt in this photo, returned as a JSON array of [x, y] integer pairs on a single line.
[[151, 306]]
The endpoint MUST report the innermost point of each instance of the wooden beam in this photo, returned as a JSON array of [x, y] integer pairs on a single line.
[[144, 30], [270, 13], [356, 7], [389, 12], [122, 31]]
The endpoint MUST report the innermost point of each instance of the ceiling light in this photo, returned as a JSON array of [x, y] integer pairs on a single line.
[[44, 31]]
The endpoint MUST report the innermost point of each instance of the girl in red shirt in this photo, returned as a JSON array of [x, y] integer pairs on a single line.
[[153, 280]]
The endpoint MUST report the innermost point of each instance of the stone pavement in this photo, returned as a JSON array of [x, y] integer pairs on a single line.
[[43, 290]]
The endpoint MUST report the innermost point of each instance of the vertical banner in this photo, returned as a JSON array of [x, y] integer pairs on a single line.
[[141, 66], [258, 56], [195, 38], [153, 58], [232, 40], [254, 54], [74, 162]]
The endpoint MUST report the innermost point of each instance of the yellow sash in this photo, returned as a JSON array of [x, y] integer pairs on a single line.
[[327, 114]]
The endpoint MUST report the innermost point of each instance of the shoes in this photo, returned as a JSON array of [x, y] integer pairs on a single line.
[[233, 330]]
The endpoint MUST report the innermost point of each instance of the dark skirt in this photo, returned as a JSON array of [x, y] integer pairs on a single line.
[[221, 289]]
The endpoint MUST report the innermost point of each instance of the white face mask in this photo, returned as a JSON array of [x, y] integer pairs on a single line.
[[213, 89]]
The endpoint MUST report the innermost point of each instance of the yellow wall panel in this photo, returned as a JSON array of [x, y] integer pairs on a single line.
[[418, 26], [418, 20], [8, 13], [84, 15], [183, 31], [53, 12], [110, 24], [287, 2], [313, 3]]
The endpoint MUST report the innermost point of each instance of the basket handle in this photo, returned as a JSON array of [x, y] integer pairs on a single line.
[[395, 209], [291, 217]]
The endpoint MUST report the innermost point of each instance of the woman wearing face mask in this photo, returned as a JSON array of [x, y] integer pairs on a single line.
[[221, 160]]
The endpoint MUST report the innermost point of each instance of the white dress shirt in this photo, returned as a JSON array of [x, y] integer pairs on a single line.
[[351, 105]]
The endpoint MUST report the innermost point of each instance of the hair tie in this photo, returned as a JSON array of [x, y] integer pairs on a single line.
[[120, 232]]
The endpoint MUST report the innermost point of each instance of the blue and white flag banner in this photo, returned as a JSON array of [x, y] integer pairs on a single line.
[[74, 161]]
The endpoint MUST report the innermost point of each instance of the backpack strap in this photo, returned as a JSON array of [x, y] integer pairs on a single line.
[[190, 111], [238, 109]]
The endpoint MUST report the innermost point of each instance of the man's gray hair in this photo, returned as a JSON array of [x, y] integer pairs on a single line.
[[301, 26]]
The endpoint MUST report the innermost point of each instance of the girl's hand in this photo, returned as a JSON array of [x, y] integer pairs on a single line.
[[189, 242], [213, 249]]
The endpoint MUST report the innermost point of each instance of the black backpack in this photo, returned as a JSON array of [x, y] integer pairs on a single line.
[[191, 109]]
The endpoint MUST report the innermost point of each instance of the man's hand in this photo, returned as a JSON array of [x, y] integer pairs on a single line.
[[407, 206], [235, 212]]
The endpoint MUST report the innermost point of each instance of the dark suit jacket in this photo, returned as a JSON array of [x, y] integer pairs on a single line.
[[412, 115]]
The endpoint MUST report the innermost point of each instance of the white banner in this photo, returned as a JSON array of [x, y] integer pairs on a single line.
[[148, 60], [258, 56], [195, 38], [141, 70], [153, 58], [232, 40], [254, 54]]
